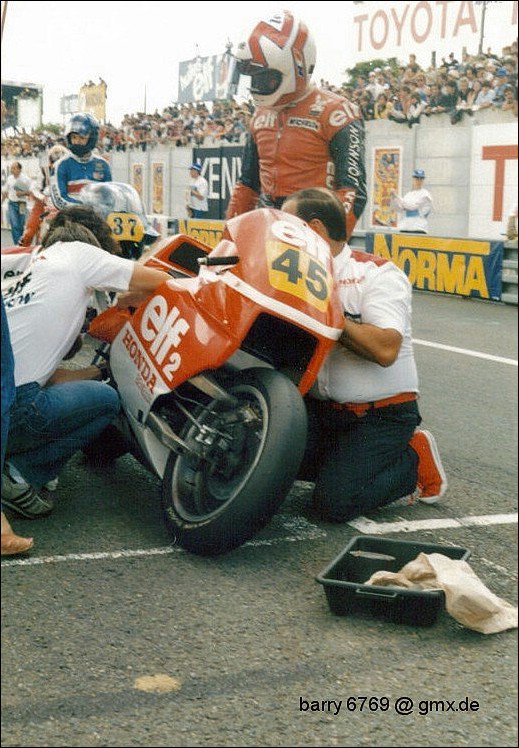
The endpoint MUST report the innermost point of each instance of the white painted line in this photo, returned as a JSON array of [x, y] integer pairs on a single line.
[[466, 352], [369, 527], [91, 556], [306, 531]]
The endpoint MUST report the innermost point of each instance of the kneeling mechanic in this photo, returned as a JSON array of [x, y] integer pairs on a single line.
[[56, 412], [364, 448]]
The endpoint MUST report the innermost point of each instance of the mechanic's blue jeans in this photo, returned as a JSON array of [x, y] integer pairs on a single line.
[[50, 424], [16, 220], [359, 463], [198, 213], [7, 369]]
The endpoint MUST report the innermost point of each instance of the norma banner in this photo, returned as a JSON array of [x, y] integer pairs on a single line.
[[206, 78], [387, 176], [222, 168], [157, 183], [206, 231], [466, 267]]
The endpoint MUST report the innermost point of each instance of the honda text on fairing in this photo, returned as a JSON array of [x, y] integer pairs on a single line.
[[211, 371]]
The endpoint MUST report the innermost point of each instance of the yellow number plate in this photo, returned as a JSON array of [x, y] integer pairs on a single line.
[[126, 227], [296, 272]]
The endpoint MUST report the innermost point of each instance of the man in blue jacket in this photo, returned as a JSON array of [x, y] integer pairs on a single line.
[[73, 172]]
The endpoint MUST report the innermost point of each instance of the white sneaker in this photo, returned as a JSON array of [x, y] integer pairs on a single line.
[[52, 484]]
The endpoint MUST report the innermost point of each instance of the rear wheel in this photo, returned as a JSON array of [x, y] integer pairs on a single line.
[[251, 455]]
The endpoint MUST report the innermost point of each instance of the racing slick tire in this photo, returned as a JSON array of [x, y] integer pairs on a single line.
[[215, 504]]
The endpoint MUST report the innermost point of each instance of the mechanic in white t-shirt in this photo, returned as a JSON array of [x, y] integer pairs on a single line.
[[364, 449], [415, 207], [197, 205], [58, 411]]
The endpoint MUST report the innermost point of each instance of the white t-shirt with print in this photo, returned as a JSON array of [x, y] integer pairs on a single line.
[[376, 292], [46, 307]]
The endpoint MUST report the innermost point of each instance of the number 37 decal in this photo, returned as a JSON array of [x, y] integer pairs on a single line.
[[126, 226], [296, 272]]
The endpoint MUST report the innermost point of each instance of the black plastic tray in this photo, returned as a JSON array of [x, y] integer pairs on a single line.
[[344, 580]]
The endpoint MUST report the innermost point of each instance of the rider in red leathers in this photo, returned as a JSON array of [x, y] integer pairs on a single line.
[[300, 136]]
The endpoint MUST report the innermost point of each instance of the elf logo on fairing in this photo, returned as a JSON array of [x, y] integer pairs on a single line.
[[164, 329]]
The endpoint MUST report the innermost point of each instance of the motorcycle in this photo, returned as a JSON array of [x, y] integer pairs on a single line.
[[212, 368]]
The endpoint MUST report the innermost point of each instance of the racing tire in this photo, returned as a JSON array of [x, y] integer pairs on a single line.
[[210, 512]]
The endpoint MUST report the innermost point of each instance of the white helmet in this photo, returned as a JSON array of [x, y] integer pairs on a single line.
[[279, 56]]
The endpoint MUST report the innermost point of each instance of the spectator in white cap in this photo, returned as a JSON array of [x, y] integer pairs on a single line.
[[197, 205], [415, 207]]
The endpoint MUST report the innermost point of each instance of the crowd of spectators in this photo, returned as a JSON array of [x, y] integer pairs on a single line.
[[405, 93], [24, 145], [402, 93], [179, 125]]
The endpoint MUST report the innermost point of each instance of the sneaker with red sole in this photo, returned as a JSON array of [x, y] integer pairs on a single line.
[[431, 481]]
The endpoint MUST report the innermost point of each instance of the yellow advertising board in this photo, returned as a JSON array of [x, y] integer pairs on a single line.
[[467, 267], [208, 232]]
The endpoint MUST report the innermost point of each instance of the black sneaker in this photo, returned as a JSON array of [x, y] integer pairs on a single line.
[[24, 500]]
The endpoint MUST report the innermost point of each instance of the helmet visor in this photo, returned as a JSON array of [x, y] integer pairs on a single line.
[[264, 81]]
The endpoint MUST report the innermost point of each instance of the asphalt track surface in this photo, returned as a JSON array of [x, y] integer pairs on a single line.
[[237, 646]]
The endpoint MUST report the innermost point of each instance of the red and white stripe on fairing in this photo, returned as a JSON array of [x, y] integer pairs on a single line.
[[278, 307]]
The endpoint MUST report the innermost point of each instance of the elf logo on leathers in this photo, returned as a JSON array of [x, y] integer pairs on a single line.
[[164, 329], [268, 119], [346, 113]]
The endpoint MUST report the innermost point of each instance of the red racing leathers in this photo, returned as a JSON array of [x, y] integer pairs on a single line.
[[42, 209], [316, 142]]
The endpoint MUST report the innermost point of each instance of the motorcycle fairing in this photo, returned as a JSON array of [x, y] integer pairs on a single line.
[[195, 324], [284, 259]]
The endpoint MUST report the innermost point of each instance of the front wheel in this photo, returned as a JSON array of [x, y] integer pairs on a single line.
[[251, 455]]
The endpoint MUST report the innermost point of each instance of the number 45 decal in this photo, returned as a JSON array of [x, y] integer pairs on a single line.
[[295, 272]]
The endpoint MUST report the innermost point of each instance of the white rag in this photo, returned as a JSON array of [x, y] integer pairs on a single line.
[[467, 599]]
